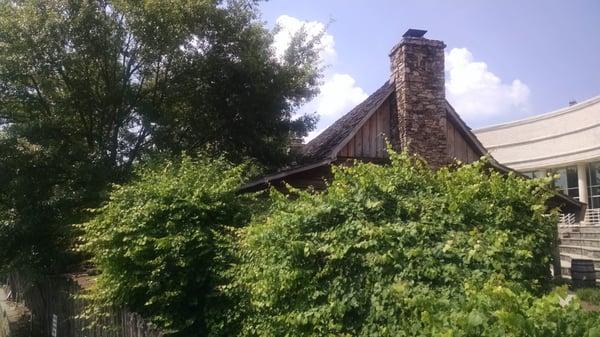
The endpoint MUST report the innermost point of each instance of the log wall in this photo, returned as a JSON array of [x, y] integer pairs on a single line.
[[369, 141], [458, 147]]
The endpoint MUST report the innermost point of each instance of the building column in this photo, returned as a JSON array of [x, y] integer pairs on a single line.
[[582, 182]]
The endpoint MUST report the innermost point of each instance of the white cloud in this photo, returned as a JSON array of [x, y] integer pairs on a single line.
[[339, 92], [288, 26], [477, 93]]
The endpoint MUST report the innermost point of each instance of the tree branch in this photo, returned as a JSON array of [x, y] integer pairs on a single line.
[[40, 96]]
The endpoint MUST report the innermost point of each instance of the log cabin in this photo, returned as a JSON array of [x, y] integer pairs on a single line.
[[410, 110]]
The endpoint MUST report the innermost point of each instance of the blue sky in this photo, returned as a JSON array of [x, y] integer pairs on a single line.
[[507, 59]]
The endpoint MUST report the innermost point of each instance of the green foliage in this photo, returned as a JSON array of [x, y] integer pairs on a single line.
[[400, 250], [590, 295], [90, 88], [159, 242], [494, 308], [44, 187], [122, 76]]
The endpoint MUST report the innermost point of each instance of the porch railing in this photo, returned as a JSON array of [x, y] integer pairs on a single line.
[[592, 216], [567, 219]]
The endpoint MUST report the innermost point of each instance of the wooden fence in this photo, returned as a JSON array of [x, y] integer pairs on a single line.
[[57, 296]]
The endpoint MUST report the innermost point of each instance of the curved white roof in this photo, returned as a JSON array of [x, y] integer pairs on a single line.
[[558, 138]]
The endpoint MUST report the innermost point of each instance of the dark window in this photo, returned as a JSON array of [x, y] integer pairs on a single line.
[[594, 174], [593, 177], [573, 193], [572, 177], [567, 181], [595, 202], [561, 181]]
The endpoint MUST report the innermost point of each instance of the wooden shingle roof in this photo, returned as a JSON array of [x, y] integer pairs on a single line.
[[322, 149], [324, 146]]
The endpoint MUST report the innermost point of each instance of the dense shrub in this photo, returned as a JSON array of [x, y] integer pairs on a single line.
[[400, 250], [395, 250], [495, 308], [160, 240]]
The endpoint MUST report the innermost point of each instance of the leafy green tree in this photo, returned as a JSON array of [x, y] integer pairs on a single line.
[[90, 87], [122, 76], [400, 250], [44, 187], [160, 243]]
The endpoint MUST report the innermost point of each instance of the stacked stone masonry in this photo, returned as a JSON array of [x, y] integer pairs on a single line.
[[417, 67]]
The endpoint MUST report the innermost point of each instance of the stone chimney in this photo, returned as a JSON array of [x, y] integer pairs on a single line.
[[418, 72]]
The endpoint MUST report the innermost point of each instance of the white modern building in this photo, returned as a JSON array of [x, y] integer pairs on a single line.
[[566, 142]]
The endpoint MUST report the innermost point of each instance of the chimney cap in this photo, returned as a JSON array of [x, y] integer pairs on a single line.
[[414, 33]]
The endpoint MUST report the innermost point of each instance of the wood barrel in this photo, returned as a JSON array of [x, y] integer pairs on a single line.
[[583, 273]]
